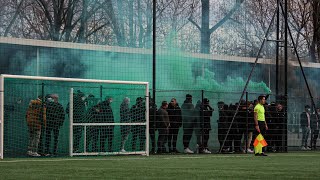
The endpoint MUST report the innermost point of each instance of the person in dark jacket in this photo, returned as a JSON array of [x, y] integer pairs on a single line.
[[206, 113], [102, 113], [305, 119], [79, 109], [188, 122], [163, 126], [250, 127], [277, 127], [175, 118], [124, 118], [223, 126], [233, 132], [90, 102], [137, 113], [55, 118], [240, 124]]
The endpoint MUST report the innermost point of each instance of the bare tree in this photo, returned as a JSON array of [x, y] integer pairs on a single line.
[[205, 30], [315, 45]]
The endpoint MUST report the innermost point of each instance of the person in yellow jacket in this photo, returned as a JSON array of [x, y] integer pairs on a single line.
[[36, 118], [260, 120]]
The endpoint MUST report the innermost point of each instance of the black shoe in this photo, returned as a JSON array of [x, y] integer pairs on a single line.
[[258, 154], [263, 154]]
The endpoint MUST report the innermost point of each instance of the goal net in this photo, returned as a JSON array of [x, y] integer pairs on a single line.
[[47, 116]]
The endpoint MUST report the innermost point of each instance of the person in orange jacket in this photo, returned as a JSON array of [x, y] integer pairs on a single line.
[[36, 118]]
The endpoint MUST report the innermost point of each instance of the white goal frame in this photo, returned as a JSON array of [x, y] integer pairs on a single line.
[[146, 84]]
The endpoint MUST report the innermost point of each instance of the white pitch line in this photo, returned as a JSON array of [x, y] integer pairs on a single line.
[[154, 158], [111, 159]]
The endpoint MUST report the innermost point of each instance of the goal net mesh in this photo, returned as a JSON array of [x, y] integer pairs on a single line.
[[59, 118]]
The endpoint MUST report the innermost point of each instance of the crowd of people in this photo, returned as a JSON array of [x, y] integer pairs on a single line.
[[45, 116], [43, 120], [237, 125]]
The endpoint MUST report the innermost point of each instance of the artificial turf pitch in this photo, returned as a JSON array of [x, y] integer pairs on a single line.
[[293, 165]]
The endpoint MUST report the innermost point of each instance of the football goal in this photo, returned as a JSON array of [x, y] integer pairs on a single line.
[[49, 116]]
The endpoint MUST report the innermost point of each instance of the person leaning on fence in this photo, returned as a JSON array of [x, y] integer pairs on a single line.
[[124, 118], [163, 126], [36, 119], [305, 119], [175, 118], [259, 120], [314, 129]]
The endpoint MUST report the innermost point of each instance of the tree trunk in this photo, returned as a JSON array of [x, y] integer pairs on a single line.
[[148, 40], [69, 17], [315, 45], [83, 22], [141, 29], [13, 19], [58, 17], [205, 35], [115, 26], [131, 28]]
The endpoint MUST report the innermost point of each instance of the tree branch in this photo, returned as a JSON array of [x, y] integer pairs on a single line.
[[13, 19], [227, 16], [194, 23]]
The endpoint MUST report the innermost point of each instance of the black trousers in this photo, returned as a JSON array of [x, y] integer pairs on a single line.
[[153, 139], [52, 128], [239, 133], [106, 135], [138, 132], [172, 138], [205, 138], [77, 133], [188, 129], [262, 127], [314, 137], [163, 135], [277, 138]]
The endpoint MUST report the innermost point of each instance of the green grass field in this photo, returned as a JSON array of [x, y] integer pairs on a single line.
[[291, 165]]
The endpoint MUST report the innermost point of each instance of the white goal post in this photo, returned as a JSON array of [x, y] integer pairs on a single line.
[[111, 87]]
